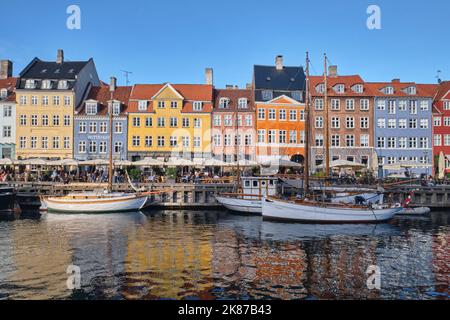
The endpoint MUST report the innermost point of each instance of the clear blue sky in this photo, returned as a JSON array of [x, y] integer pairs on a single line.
[[173, 41]]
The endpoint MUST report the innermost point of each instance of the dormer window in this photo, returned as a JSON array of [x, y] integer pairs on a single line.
[[242, 103], [46, 84], [91, 108], [320, 88], [339, 88], [358, 88], [224, 103], [30, 84], [3, 93], [116, 108], [267, 95], [142, 105], [197, 106], [62, 85], [297, 95], [389, 90], [411, 90]]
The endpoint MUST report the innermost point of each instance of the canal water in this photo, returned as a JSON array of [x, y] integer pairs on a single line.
[[217, 255]]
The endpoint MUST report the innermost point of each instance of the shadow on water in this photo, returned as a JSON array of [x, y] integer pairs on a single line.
[[170, 254]]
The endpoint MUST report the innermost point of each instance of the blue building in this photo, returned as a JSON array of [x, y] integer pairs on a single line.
[[92, 126], [403, 128]]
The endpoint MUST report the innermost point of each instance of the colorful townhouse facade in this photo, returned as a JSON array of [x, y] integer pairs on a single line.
[[279, 95], [403, 125], [47, 93], [233, 125], [92, 123], [170, 120], [350, 119], [7, 111], [441, 125]]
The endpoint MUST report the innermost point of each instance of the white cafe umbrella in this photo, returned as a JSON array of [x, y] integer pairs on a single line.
[[179, 162], [280, 163], [63, 162], [96, 162], [245, 163], [6, 162], [37, 162], [215, 163], [406, 164], [148, 162], [343, 164], [123, 163], [441, 166]]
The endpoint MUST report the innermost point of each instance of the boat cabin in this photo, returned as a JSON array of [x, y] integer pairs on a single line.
[[259, 186]]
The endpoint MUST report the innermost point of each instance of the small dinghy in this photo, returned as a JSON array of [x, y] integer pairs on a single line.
[[420, 211]]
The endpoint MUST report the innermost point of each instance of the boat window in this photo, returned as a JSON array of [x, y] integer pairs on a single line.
[[271, 182], [255, 183], [263, 183], [247, 183]]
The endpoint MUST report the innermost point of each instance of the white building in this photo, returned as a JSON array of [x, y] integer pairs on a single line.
[[7, 111]]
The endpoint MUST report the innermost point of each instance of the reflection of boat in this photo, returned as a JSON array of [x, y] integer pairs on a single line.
[[97, 203], [307, 211], [414, 211], [7, 203], [249, 201]]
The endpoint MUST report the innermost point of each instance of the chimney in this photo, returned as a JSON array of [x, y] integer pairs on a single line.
[[113, 84], [332, 71], [209, 76], [396, 80], [6, 69], [279, 62], [248, 86], [229, 86], [60, 57]]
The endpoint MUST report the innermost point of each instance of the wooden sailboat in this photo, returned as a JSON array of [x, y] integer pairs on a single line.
[[306, 210], [103, 202]]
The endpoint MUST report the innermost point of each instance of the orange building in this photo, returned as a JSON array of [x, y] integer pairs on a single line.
[[279, 93]]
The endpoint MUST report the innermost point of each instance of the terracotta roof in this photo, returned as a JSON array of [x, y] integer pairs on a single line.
[[190, 92], [10, 85], [348, 81], [422, 90], [442, 90], [103, 95], [233, 95]]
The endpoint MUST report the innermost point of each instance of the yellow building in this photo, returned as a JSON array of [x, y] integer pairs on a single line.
[[47, 94], [167, 120]]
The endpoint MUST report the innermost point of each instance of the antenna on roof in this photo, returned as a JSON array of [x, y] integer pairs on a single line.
[[127, 74], [438, 77]]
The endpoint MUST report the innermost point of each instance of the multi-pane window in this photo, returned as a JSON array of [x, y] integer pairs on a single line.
[[392, 123], [103, 127], [7, 111], [217, 140], [402, 123], [148, 141], [423, 142], [248, 139], [82, 147], [413, 106], [33, 142], [118, 147], [136, 141], [446, 105], [6, 131], [23, 120], [447, 121], [381, 105], [161, 122], [364, 104], [142, 105], [173, 141], [82, 127], [44, 142], [335, 104], [67, 101], [227, 140], [161, 105], [45, 100], [350, 104], [34, 120], [319, 140], [228, 120], [91, 108], [185, 123], [319, 122], [437, 121], [293, 115], [364, 123], [272, 114], [67, 120], [447, 140], [364, 140], [161, 141], [423, 123], [223, 103], [22, 142], [282, 115], [197, 142], [413, 123], [272, 136], [136, 122], [424, 105], [282, 136], [242, 103], [391, 142], [261, 114], [319, 104], [197, 106], [67, 142], [55, 142], [173, 122], [92, 127], [292, 136], [335, 123], [92, 147], [381, 123], [118, 127], [34, 100], [335, 140], [149, 122], [23, 100], [402, 105], [402, 142], [391, 107], [56, 100], [350, 140], [217, 120], [381, 142], [413, 142], [267, 95], [350, 122], [197, 123], [185, 141], [173, 104], [261, 136], [248, 120]]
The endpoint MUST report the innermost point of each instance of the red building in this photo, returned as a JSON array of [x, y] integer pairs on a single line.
[[441, 124]]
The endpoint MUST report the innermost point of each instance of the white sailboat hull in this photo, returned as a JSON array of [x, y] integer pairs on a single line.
[[252, 206], [96, 205], [289, 211]]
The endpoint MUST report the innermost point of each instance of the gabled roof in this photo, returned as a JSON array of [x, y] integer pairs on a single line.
[[286, 79], [102, 95], [422, 90], [283, 100], [442, 90], [234, 95], [10, 85], [190, 93], [347, 80]]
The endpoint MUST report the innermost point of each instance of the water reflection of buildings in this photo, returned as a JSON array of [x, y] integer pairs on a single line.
[[170, 258]]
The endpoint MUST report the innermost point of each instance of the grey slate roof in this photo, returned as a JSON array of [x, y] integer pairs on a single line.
[[281, 82]]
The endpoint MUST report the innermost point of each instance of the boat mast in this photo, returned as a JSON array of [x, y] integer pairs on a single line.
[[236, 142], [327, 133], [112, 88], [307, 128]]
